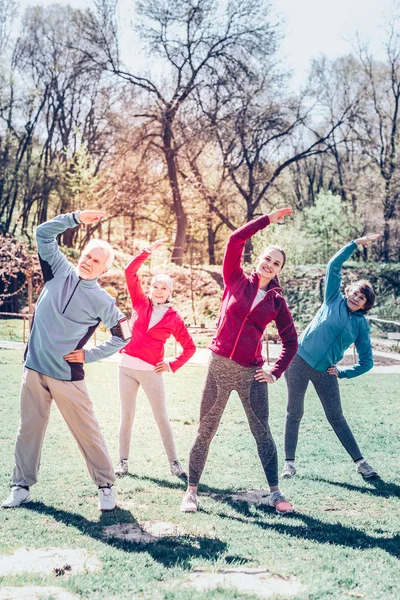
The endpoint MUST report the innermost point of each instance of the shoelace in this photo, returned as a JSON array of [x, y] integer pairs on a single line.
[[367, 468], [191, 497], [278, 497]]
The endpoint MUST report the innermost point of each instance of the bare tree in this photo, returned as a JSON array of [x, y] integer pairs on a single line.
[[378, 127], [261, 131], [196, 40]]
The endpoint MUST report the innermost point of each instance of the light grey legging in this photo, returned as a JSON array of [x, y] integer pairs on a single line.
[[297, 378], [224, 376], [153, 387]]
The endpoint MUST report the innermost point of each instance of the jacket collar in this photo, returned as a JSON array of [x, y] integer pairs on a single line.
[[88, 283], [271, 286]]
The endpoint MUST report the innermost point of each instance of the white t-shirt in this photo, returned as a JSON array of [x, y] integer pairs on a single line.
[[260, 296]]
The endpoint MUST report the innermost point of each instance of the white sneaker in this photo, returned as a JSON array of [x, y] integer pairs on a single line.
[[122, 467], [177, 469], [189, 502], [106, 498], [288, 470], [18, 496], [364, 469]]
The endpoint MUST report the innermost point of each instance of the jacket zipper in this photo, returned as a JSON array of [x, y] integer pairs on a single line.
[[338, 335], [70, 298], [240, 330]]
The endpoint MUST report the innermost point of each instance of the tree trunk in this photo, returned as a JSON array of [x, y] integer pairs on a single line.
[[248, 247], [386, 240], [248, 251], [211, 241], [181, 219]]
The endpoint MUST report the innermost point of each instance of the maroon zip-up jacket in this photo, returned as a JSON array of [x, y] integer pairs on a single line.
[[239, 329]]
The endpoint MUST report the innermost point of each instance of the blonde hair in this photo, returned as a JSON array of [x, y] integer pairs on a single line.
[[96, 243]]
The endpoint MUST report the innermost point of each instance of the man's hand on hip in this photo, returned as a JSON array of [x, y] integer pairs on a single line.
[[76, 356]]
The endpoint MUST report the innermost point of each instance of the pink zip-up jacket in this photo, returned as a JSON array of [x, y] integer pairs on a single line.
[[239, 328], [148, 344]]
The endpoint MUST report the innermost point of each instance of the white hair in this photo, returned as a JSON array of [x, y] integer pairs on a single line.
[[96, 243], [165, 279]]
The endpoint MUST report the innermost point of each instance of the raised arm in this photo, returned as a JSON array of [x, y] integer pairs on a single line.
[[334, 268], [52, 259], [232, 268], [134, 286]]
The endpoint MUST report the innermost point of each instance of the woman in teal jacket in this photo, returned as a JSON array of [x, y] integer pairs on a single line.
[[339, 322]]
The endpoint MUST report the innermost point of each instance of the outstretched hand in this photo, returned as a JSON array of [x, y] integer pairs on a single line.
[[91, 216], [367, 239], [156, 244], [278, 216]]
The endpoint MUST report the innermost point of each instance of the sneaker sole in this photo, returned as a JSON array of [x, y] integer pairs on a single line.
[[368, 476], [288, 475], [107, 509], [285, 512], [17, 505], [188, 510]]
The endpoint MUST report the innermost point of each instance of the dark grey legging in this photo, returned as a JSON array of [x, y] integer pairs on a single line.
[[224, 376], [297, 377]]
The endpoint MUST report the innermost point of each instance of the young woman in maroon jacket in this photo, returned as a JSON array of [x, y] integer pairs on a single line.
[[249, 303], [142, 360]]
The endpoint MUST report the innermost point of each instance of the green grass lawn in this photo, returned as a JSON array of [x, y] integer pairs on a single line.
[[342, 541]]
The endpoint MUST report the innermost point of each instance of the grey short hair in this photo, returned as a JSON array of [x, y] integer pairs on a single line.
[[96, 243]]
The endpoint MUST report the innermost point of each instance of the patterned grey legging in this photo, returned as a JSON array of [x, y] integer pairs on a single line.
[[297, 377], [223, 377]]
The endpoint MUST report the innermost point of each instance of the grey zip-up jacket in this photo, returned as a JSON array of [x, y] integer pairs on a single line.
[[68, 310]]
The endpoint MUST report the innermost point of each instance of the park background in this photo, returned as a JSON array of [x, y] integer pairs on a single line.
[[185, 120]]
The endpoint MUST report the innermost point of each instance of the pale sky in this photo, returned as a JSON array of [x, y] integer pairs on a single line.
[[311, 27], [330, 27]]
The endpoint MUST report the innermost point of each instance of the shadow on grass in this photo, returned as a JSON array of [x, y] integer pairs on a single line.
[[182, 485], [312, 529], [379, 487], [169, 552], [176, 484]]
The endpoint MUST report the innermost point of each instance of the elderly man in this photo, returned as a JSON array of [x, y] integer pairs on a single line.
[[69, 308]]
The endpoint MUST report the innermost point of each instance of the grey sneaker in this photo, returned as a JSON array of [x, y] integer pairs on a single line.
[[364, 469], [278, 500], [18, 495], [121, 468], [288, 470], [177, 469]]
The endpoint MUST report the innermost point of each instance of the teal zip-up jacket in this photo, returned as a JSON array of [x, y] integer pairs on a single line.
[[334, 328], [68, 310]]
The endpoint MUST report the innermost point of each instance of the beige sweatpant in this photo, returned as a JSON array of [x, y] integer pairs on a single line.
[[73, 402], [153, 387]]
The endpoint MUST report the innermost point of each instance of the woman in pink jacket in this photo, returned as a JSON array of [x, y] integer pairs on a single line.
[[249, 303], [142, 360]]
